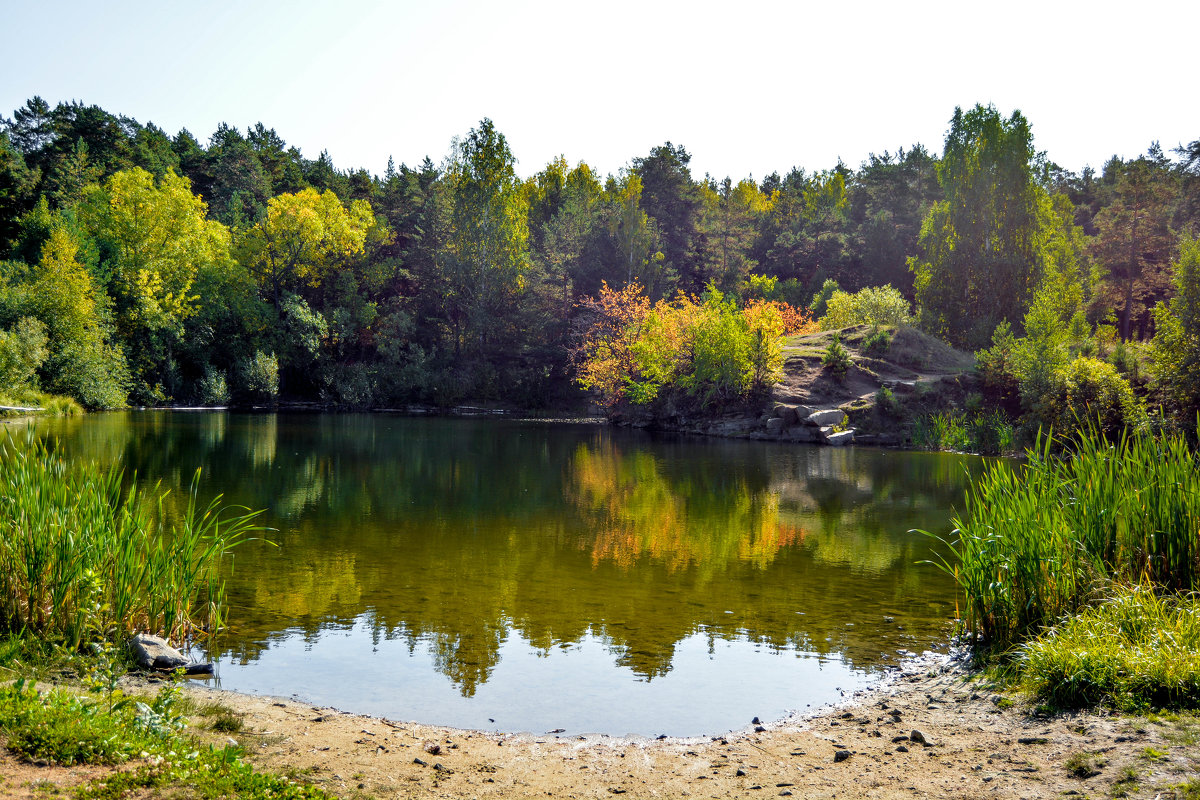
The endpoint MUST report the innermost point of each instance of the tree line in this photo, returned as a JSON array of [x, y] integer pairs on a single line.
[[144, 268]]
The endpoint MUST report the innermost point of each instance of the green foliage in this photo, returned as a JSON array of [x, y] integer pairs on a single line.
[[22, 351], [820, 300], [712, 353], [82, 559], [81, 359], [885, 401], [63, 728], [260, 377], [70, 729], [875, 305], [1124, 358], [1175, 350], [212, 389], [1134, 650], [877, 343], [1041, 540], [1088, 391], [836, 358], [986, 246]]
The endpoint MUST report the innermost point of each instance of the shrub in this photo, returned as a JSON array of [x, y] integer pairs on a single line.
[[820, 300], [710, 351], [998, 369], [875, 305], [260, 376], [1134, 650], [1175, 350], [885, 401], [22, 351], [877, 343], [1090, 391], [212, 389], [837, 357]]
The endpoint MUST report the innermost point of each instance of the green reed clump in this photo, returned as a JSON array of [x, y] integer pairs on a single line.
[[1045, 539], [82, 559], [985, 433], [1135, 650]]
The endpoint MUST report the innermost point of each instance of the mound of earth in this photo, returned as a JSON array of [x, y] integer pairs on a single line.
[[894, 375]]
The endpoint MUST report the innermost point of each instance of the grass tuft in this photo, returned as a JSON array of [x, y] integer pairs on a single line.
[[1136, 650]]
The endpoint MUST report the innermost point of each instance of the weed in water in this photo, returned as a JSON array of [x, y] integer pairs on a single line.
[[1040, 542]]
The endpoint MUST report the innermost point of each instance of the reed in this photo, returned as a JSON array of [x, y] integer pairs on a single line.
[[1045, 539], [983, 433], [82, 558]]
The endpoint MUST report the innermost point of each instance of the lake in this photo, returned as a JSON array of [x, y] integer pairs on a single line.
[[513, 575]]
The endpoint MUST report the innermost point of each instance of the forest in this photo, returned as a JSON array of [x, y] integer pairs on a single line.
[[141, 268]]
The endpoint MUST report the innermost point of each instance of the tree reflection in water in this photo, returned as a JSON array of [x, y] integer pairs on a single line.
[[453, 535]]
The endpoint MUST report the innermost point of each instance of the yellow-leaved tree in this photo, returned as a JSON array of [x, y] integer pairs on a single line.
[[301, 239], [154, 237]]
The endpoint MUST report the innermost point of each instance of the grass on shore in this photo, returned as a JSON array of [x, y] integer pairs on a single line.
[[1083, 563], [145, 737], [1134, 651]]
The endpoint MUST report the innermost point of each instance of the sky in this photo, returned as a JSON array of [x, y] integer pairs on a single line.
[[749, 88]]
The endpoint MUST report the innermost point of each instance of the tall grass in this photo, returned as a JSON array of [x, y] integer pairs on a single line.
[[987, 434], [81, 558], [1045, 539]]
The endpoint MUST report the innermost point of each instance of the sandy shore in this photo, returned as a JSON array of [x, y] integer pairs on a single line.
[[932, 730]]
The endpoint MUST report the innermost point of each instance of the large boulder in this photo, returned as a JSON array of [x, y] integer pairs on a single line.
[[840, 439], [831, 416]]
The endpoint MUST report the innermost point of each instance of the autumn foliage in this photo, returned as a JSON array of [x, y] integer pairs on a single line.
[[707, 351]]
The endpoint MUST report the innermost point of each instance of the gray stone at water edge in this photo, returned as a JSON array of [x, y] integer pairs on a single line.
[[831, 416], [154, 652]]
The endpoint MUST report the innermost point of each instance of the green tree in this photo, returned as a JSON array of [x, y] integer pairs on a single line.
[[670, 197], [1175, 349], [18, 186], [979, 246], [154, 237], [488, 245], [82, 360], [730, 222], [1134, 241], [301, 239]]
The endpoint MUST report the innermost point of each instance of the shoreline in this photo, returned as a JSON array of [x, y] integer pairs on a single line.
[[932, 728]]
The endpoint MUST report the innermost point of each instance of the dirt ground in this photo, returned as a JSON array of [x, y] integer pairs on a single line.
[[931, 731]]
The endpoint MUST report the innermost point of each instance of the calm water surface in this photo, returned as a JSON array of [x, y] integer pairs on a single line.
[[510, 575]]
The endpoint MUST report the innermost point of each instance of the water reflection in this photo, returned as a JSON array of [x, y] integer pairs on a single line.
[[447, 542]]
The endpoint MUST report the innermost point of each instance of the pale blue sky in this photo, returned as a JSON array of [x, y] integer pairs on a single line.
[[748, 87]]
